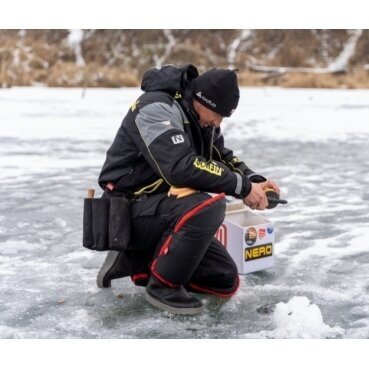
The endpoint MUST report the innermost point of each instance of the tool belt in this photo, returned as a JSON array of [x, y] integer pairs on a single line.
[[106, 223]]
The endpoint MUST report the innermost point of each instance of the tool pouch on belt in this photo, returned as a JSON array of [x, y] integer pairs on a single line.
[[106, 223]]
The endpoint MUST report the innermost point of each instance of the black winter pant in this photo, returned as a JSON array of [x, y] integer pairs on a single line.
[[173, 239]]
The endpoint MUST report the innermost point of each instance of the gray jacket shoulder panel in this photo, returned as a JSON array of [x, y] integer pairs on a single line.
[[157, 118]]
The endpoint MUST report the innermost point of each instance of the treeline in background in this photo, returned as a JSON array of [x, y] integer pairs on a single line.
[[117, 58]]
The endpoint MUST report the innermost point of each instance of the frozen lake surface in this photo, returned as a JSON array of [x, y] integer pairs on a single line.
[[313, 143]]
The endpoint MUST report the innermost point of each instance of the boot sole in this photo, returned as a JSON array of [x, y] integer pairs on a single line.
[[108, 264], [171, 309]]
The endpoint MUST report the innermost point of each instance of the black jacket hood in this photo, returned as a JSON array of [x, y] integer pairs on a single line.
[[169, 78]]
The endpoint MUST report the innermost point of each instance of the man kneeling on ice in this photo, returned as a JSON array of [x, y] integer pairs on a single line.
[[167, 155]]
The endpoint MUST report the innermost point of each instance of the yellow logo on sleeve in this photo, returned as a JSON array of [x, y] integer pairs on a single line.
[[210, 167]]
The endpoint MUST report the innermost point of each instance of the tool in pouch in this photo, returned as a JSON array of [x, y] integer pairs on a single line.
[[106, 223]]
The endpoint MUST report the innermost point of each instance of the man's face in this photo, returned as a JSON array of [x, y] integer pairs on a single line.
[[208, 118]]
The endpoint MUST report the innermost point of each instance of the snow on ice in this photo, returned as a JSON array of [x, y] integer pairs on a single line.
[[299, 318]]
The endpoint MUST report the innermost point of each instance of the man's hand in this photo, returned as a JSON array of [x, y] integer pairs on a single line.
[[257, 199], [270, 184]]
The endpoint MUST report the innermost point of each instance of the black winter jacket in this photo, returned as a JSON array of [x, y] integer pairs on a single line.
[[161, 144]]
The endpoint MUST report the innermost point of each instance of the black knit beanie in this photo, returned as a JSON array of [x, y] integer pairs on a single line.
[[217, 90]]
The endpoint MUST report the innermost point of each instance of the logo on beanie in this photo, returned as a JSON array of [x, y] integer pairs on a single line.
[[205, 99]]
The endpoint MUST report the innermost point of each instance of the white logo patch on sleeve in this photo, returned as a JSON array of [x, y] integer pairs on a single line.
[[177, 139]]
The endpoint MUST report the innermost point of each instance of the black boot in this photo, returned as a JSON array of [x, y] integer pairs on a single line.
[[116, 265], [175, 300]]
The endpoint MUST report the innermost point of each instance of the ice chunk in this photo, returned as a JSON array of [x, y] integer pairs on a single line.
[[299, 318]]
